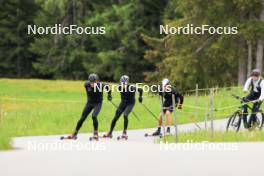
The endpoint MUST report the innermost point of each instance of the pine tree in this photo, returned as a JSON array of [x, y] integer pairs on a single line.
[[15, 58]]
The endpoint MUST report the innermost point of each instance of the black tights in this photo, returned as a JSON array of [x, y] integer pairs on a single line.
[[125, 108], [115, 120], [86, 111]]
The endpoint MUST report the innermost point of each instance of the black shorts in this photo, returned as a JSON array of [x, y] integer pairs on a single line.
[[165, 109]]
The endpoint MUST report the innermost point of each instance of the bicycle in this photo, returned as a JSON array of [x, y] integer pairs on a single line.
[[234, 121]]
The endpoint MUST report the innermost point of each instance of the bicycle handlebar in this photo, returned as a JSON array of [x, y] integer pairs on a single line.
[[242, 99]]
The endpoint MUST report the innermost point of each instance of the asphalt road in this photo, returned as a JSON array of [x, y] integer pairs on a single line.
[[47, 155]]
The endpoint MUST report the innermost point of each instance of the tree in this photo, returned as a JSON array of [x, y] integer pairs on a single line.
[[209, 60], [15, 58], [259, 54]]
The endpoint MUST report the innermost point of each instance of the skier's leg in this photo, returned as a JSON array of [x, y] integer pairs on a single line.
[[127, 111], [118, 113], [157, 132], [168, 116], [97, 109], [87, 109]]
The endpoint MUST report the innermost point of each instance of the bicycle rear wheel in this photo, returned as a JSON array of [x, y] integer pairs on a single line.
[[234, 121]]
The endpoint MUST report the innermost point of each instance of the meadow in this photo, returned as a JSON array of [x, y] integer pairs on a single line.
[[218, 136], [46, 107]]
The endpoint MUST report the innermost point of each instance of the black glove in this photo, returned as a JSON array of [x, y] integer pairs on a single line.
[[109, 98], [244, 100], [140, 99]]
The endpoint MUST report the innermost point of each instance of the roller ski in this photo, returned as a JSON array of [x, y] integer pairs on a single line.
[[108, 136], [70, 137], [95, 137], [123, 137], [155, 134]]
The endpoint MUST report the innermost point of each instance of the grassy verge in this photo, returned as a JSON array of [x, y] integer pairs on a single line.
[[4, 140], [45, 107], [201, 136]]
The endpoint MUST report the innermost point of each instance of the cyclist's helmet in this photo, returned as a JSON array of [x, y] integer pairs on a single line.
[[165, 82], [124, 79], [93, 78], [255, 72]]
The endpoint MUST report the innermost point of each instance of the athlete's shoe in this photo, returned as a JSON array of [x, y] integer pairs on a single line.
[[108, 135], [124, 135], [73, 137], [95, 136], [156, 133], [168, 130]]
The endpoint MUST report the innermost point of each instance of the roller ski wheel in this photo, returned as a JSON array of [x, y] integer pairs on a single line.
[[123, 137], [94, 138], [71, 137], [110, 136], [153, 135]]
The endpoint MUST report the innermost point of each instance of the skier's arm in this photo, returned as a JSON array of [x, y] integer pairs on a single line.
[[140, 99], [140, 91], [86, 84], [181, 97], [247, 84], [173, 90], [108, 90]]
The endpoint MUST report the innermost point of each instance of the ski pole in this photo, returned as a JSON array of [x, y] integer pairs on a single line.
[[131, 111], [150, 112], [175, 119], [163, 119]]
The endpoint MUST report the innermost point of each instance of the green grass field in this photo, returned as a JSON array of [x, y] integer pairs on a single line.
[[45, 107], [202, 136]]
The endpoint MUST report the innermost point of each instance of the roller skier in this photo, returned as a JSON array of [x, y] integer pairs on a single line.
[[126, 105], [167, 107], [94, 90]]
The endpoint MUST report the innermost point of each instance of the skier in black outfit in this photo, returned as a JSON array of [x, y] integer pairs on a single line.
[[167, 91], [127, 92], [94, 90]]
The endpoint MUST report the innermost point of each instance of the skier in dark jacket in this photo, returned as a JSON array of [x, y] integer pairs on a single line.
[[94, 90], [167, 108], [126, 105]]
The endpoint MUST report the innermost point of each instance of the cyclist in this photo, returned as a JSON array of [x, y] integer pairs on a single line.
[[256, 95]]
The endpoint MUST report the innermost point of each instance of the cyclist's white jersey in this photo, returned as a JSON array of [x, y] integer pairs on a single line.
[[259, 84]]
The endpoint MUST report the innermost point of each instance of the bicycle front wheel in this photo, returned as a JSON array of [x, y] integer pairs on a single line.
[[234, 121]]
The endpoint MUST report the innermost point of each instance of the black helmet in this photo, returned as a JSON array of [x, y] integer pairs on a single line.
[[124, 79], [93, 77], [255, 72]]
